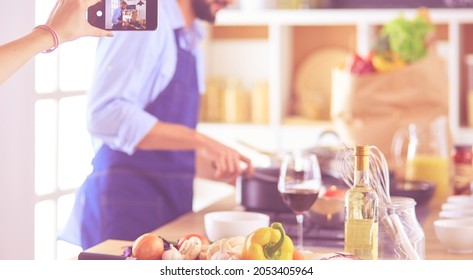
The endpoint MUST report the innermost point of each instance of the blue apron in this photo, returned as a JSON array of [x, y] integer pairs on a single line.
[[126, 196]]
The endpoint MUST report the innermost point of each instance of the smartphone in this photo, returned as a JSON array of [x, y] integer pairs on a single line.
[[128, 15]]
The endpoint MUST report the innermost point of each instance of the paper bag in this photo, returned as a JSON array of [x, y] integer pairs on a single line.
[[369, 109]]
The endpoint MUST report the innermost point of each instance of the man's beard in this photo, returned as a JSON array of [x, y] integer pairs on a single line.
[[202, 10]]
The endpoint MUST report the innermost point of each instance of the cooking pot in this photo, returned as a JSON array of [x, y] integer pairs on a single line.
[[260, 193], [325, 148]]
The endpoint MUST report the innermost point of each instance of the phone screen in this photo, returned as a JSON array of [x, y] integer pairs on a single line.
[[119, 15]]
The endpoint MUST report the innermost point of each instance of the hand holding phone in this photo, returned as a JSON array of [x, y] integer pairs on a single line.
[[128, 15]]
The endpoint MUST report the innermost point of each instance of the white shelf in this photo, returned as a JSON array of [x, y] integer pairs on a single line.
[[280, 24], [325, 17]]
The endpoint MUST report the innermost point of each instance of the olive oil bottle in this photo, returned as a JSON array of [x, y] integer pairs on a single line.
[[361, 210]]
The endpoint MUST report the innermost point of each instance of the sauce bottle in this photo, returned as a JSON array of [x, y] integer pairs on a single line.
[[463, 165]]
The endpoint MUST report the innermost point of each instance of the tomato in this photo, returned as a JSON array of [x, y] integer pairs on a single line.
[[334, 193], [297, 255], [203, 239]]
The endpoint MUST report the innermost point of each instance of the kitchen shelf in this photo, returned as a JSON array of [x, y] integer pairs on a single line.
[[277, 42], [235, 17]]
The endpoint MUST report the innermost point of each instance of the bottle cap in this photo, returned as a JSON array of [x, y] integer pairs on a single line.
[[362, 150], [362, 154]]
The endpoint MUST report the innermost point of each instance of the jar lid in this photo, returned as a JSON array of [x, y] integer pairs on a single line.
[[463, 146]]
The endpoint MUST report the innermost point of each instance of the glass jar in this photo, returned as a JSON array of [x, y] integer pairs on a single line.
[[463, 173], [400, 235]]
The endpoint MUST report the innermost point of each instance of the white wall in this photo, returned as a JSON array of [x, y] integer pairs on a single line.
[[108, 15], [17, 144]]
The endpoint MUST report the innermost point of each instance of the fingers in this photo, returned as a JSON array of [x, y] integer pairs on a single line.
[[230, 165], [249, 166], [227, 163]]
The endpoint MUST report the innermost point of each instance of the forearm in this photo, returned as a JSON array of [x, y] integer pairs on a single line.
[[214, 160], [15, 54], [168, 136]]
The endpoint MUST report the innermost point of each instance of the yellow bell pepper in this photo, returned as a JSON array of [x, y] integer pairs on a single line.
[[268, 243], [387, 62]]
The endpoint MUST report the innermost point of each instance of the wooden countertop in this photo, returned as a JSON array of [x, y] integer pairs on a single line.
[[194, 223]]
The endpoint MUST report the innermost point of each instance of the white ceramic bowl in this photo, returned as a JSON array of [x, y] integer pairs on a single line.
[[455, 234], [257, 4], [456, 213], [461, 199], [456, 206], [226, 224]]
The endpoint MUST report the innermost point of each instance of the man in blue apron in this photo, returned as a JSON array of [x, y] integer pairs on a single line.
[[142, 113], [117, 17]]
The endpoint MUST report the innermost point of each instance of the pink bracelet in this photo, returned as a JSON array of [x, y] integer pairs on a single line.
[[53, 33]]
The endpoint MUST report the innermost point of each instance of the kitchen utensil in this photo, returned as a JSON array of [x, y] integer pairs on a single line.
[[458, 213], [420, 191], [224, 224], [99, 256], [329, 209], [390, 246], [456, 206], [325, 148], [428, 153], [461, 199], [260, 192], [455, 234], [380, 180], [313, 82], [253, 5]]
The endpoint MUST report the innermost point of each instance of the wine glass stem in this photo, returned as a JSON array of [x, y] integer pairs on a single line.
[[300, 230]]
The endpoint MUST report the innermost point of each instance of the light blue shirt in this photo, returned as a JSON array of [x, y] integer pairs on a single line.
[[116, 14], [131, 69]]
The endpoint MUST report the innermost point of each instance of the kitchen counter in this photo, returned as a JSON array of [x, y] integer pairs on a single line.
[[194, 223]]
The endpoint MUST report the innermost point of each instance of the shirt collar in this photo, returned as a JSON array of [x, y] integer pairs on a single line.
[[191, 36], [171, 8]]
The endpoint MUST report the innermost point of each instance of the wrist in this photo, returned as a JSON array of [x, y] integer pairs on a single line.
[[47, 31]]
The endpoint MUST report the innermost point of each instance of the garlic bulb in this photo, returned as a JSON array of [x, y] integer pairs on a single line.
[[172, 254], [222, 254]]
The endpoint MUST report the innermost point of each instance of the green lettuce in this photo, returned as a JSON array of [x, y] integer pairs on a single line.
[[407, 37]]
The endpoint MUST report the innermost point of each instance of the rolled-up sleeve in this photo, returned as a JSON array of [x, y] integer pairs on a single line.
[[132, 68]]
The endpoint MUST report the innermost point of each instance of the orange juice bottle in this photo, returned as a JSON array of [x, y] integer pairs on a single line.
[[431, 168]]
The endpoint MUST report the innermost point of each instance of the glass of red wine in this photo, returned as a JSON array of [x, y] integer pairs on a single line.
[[299, 184]]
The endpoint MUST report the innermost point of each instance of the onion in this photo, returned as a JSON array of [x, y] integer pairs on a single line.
[[148, 247]]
